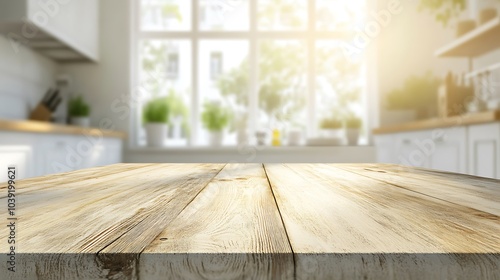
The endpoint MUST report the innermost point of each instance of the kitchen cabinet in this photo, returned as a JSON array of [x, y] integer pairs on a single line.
[[450, 150], [409, 150], [471, 149], [66, 31], [385, 149], [43, 154], [484, 150], [19, 152]]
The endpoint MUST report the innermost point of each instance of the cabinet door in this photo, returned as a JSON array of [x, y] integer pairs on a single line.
[[19, 156], [18, 149], [484, 150], [450, 151], [60, 154], [412, 149], [385, 148], [104, 152]]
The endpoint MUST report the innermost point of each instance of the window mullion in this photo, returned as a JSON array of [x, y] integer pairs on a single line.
[[194, 76], [311, 73], [253, 96]]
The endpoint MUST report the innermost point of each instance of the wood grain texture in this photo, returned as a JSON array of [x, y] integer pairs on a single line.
[[252, 221], [232, 230], [474, 192], [468, 119], [46, 127], [67, 225], [382, 230]]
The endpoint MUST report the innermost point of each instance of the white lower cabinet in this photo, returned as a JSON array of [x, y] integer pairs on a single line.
[[43, 154], [484, 150], [471, 149], [450, 150]]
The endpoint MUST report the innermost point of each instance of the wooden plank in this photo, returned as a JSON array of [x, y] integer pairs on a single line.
[[474, 192], [61, 180], [468, 119], [46, 127], [232, 230], [61, 229], [342, 226]]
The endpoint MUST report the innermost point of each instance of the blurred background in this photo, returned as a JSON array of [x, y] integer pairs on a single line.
[[88, 83]]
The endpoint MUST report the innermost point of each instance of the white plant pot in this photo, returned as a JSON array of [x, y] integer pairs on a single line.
[[156, 134], [80, 121], [352, 135], [332, 133], [216, 138], [294, 138]]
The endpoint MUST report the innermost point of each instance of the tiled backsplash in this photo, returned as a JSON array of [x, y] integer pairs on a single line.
[[24, 78]]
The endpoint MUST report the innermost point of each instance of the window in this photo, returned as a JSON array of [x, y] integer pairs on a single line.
[[267, 64]]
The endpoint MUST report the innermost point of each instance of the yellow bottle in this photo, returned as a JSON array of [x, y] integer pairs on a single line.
[[276, 138]]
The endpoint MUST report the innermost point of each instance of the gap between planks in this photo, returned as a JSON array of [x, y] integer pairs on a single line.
[[282, 222], [182, 210]]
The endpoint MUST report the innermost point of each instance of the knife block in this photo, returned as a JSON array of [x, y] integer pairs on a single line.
[[41, 113]]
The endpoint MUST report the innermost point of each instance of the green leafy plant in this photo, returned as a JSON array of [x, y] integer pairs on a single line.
[[77, 107], [177, 108], [215, 117], [417, 93], [331, 123], [353, 122], [156, 111]]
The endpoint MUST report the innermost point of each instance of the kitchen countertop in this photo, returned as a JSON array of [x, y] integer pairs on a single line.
[[51, 128], [272, 221], [467, 119]]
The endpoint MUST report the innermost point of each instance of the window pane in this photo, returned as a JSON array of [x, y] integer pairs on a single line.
[[224, 15], [166, 73], [282, 85], [165, 15], [340, 15], [282, 14], [223, 87], [339, 82]]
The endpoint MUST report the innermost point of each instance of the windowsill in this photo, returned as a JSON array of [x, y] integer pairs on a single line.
[[210, 149], [253, 154]]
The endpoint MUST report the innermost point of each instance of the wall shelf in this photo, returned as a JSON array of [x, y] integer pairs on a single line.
[[481, 40]]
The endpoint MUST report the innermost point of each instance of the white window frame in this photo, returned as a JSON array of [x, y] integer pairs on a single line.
[[311, 35]]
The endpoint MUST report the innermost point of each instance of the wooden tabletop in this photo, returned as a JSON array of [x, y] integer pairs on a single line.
[[253, 221]]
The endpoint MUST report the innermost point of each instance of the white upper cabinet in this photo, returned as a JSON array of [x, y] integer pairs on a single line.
[[64, 30]]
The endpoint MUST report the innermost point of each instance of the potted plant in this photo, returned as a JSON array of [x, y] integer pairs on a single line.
[[331, 127], [79, 112], [155, 118], [215, 118], [353, 127], [419, 95]]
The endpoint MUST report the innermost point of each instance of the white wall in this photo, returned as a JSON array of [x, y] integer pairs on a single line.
[[24, 78], [107, 81], [407, 45]]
